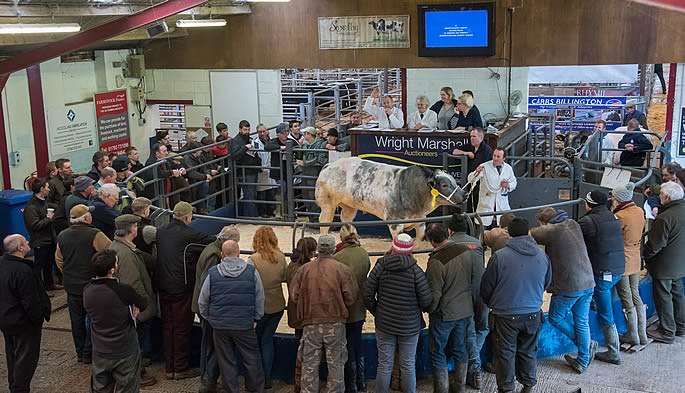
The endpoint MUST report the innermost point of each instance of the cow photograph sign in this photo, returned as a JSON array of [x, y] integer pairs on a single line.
[[363, 32]]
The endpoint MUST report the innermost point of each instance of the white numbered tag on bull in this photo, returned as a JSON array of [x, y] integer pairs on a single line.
[[614, 177]]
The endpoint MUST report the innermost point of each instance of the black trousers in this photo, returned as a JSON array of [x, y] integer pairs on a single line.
[[227, 342], [353, 367], [80, 332], [267, 195], [670, 305], [22, 352], [44, 257], [516, 345]]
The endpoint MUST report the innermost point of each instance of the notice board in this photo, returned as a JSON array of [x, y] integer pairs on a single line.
[[111, 113]]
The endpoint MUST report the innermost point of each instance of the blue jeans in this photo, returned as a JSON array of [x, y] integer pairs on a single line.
[[602, 296], [201, 191], [577, 328], [386, 344], [266, 327], [209, 365], [448, 333], [476, 333]]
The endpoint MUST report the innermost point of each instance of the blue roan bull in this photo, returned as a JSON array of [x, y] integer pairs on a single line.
[[388, 192]]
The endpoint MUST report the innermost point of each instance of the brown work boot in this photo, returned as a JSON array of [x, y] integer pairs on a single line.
[[186, 374]]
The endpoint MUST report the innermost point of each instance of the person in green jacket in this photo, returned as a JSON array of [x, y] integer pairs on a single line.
[[311, 164], [350, 253], [132, 269]]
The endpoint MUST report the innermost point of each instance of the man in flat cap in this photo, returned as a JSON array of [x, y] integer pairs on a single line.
[[178, 247], [76, 246], [132, 269]]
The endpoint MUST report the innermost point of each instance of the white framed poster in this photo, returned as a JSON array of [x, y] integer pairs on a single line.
[[361, 32]]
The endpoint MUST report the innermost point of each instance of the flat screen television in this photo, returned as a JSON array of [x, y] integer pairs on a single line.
[[465, 29]]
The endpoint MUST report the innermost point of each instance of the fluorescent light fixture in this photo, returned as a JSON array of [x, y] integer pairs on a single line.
[[30, 28], [201, 23]]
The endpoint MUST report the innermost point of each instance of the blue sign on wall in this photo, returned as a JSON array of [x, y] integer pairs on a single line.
[[549, 102]]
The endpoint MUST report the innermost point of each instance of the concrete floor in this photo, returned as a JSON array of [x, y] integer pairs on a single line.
[[659, 368]]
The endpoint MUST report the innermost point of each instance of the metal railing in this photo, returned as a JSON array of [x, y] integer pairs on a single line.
[[327, 96]]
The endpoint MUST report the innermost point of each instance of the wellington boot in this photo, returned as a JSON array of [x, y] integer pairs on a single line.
[[630, 337], [642, 325], [440, 380], [458, 378], [613, 354]]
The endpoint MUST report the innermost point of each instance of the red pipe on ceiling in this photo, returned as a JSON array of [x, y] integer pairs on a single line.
[[96, 34]]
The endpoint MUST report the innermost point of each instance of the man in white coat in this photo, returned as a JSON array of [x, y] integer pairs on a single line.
[[388, 116], [497, 180], [423, 117]]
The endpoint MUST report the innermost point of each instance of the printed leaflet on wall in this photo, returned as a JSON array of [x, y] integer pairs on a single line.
[[111, 111], [72, 128]]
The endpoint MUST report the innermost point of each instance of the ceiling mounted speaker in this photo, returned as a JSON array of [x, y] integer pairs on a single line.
[[157, 29]]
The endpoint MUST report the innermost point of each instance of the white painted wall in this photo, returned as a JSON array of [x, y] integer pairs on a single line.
[[18, 128], [170, 84], [77, 82], [63, 84], [487, 92], [678, 111]]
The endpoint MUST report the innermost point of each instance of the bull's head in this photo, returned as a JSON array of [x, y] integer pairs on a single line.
[[447, 191]]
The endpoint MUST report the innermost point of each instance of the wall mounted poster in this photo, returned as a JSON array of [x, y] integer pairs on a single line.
[[111, 112], [359, 32], [71, 129]]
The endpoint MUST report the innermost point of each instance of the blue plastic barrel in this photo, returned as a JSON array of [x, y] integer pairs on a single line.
[[12, 204]]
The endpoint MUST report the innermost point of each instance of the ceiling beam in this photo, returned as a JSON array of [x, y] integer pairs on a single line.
[[135, 35], [97, 34], [44, 11]]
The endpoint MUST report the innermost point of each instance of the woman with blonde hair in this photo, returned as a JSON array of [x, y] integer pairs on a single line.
[[463, 116], [270, 263], [303, 253], [350, 253], [445, 107]]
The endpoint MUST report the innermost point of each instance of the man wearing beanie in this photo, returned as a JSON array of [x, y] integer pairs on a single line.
[[477, 329], [513, 286], [604, 243], [632, 219], [178, 247], [396, 293], [351, 254], [572, 281], [323, 289]]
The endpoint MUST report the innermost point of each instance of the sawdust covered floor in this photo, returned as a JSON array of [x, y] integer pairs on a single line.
[[284, 235]]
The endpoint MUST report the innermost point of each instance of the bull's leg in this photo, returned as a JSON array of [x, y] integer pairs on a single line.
[[420, 231], [396, 230], [327, 214], [347, 214]]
